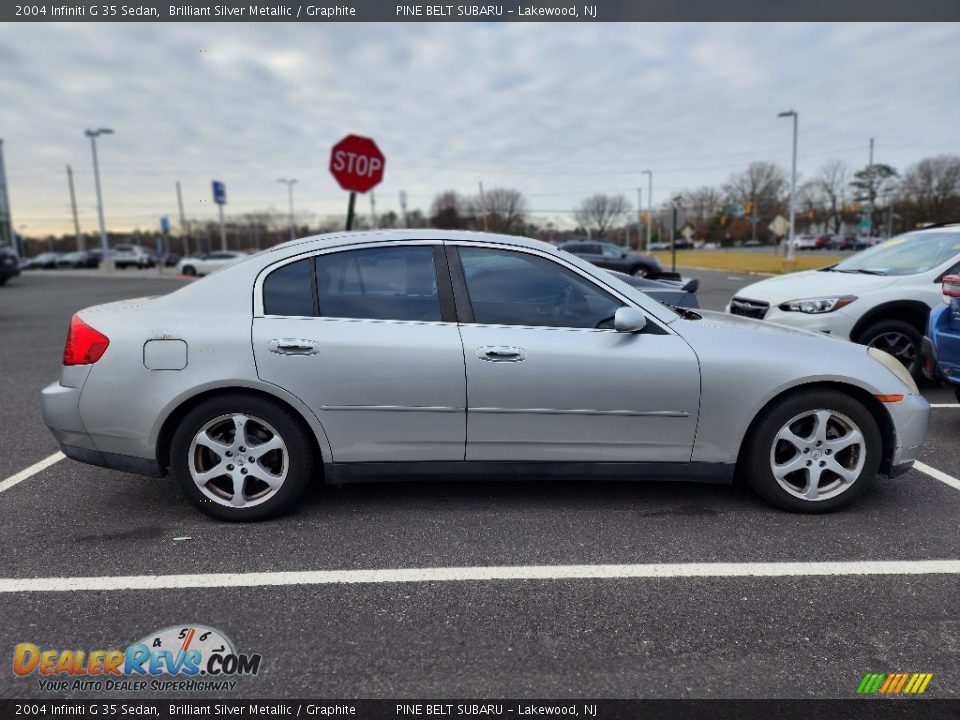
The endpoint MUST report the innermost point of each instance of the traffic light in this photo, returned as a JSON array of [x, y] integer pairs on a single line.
[[748, 210], [810, 214]]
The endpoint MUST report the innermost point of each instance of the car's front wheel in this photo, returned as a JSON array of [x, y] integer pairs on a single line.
[[189, 270], [242, 457], [639, 271], [813, 451]]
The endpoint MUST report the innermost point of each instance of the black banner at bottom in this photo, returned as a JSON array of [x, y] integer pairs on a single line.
[[854, 709]]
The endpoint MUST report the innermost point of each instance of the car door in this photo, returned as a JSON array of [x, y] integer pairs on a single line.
[[548, 378], [367, 338]]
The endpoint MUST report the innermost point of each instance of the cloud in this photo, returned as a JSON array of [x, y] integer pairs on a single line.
[[559, 111]]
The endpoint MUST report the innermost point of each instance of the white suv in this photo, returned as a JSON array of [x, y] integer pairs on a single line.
[[125, 256], [880, 297]]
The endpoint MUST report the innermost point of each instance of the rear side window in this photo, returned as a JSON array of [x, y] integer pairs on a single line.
[[390, 283], [289, 290]]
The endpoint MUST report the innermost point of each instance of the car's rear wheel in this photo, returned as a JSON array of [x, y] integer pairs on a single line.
[[813, 452], [899, 338], [189, 270], [242, 457]]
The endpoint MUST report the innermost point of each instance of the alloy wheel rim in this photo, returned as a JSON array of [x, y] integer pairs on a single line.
[[896, 344], [238, 460], [817, 455]]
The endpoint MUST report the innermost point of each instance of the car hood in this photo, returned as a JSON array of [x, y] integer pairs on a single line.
[[812, 284], [727, 321]]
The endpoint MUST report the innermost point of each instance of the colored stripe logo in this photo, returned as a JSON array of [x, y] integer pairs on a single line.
[[894, 683]]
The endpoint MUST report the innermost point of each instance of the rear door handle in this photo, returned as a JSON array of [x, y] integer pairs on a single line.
[[501, 353], [293, 346]]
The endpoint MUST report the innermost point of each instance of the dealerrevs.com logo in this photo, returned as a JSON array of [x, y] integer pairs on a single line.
[[176, 658]]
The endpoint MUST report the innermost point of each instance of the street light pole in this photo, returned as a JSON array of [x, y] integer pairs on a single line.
[[673, 235], [793, 185], [106, 263], [649, 173], [290, 182]]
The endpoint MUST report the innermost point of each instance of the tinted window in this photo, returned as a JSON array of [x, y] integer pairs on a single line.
[[573, 247], [392, 283], [611, 251], [514, 288], [289, 290]]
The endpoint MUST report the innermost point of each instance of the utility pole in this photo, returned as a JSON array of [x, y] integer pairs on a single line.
[[793, 184], [184, 230], [106, 263], [403, 206], [649, 174], [871, 152], [6, 221], [639, 219], [483, 206], [290, 182], [73, 207], [373, 211]]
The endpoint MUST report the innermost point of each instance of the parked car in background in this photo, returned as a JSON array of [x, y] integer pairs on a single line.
[[674, 293], [78, 259], [43, 261], [880, 297], [841, 242], [613, 257], [864, 243], [165, 259], [354, 356], [752, 243], [805, 242], [209, 262], [9, 263], [125, 256], [941, 345]]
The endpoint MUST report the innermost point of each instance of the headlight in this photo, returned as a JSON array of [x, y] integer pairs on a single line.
[[896, 367], [815, 306]]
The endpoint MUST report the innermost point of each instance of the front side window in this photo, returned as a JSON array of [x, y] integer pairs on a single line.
[[515, 288], [611, 251], [386, 283]]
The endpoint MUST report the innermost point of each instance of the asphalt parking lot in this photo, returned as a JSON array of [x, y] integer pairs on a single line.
[[807, 635]]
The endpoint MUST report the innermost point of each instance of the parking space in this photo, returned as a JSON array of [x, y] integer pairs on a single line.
[[808, 635]]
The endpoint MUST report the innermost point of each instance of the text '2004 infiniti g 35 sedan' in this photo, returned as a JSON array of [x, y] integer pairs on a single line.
[[426, 353]]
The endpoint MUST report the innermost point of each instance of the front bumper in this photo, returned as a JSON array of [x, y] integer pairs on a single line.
[[910, 418]]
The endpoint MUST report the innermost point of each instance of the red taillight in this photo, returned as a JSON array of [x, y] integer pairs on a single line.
[[84, 344], [951, 286]]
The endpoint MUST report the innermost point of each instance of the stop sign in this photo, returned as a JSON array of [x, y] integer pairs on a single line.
[[357, 163]]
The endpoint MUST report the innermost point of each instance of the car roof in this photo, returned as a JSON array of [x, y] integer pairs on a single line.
[[376, 236]]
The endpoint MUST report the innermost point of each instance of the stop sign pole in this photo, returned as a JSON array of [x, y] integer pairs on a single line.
[[357, 164]]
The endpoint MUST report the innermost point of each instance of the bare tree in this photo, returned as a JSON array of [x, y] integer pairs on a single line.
[[448, 211], [601, 212], [828, 191], [762, 183], [505, 210], [933, 186], [702, 203]]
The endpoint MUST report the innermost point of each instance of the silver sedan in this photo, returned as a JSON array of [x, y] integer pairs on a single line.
[[419, 354]]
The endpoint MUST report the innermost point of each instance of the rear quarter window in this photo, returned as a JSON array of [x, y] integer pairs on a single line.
[[288, 290]]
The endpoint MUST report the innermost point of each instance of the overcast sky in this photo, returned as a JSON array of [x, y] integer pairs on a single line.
[[559, 111]]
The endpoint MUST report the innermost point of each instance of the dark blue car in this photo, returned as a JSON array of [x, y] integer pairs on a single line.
[[941, 346]]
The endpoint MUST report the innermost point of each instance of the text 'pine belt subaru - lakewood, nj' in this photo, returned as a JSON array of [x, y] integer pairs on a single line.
[[428, 353]]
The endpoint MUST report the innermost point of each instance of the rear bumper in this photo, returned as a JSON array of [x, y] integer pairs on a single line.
[[60, 406]]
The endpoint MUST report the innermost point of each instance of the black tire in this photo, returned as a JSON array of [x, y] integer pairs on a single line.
[[758, 448], [877, 336], [189, 270], [956, 391], [295, 434]]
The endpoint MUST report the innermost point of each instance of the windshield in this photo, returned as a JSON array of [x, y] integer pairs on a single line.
[[905, 254]]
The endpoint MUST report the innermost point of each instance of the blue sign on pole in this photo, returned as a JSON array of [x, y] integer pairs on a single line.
[[165, 224], [219, 193]]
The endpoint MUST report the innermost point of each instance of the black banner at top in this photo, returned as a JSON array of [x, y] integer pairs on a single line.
[[521, 11]]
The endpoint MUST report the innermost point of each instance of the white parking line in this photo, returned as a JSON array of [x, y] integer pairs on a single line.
[[522, 572], [938, 474], [945, 405], [31, 471]]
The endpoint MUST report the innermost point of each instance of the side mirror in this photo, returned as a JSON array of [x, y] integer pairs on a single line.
[[629, 320], [951, 286]]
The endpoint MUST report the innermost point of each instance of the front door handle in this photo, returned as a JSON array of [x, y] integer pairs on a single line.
[[293, 346], [501, 353]]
